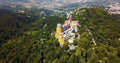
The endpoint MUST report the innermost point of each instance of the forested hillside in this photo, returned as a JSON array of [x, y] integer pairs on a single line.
[[13, 24], [31, 40]]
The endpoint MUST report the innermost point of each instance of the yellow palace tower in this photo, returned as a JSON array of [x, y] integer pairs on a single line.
[[58, 34]]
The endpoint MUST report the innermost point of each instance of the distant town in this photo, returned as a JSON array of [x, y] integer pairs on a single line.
[[111, 7]]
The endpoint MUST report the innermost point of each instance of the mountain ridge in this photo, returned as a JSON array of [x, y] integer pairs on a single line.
[[37, 43]]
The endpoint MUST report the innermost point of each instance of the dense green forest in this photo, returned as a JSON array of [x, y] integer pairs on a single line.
[[31, 39], [13, 24]]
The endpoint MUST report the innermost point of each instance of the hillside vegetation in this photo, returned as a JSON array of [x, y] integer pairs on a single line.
[[37, 44]]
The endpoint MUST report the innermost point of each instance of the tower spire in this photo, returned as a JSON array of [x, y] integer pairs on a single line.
[[70, 18]]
